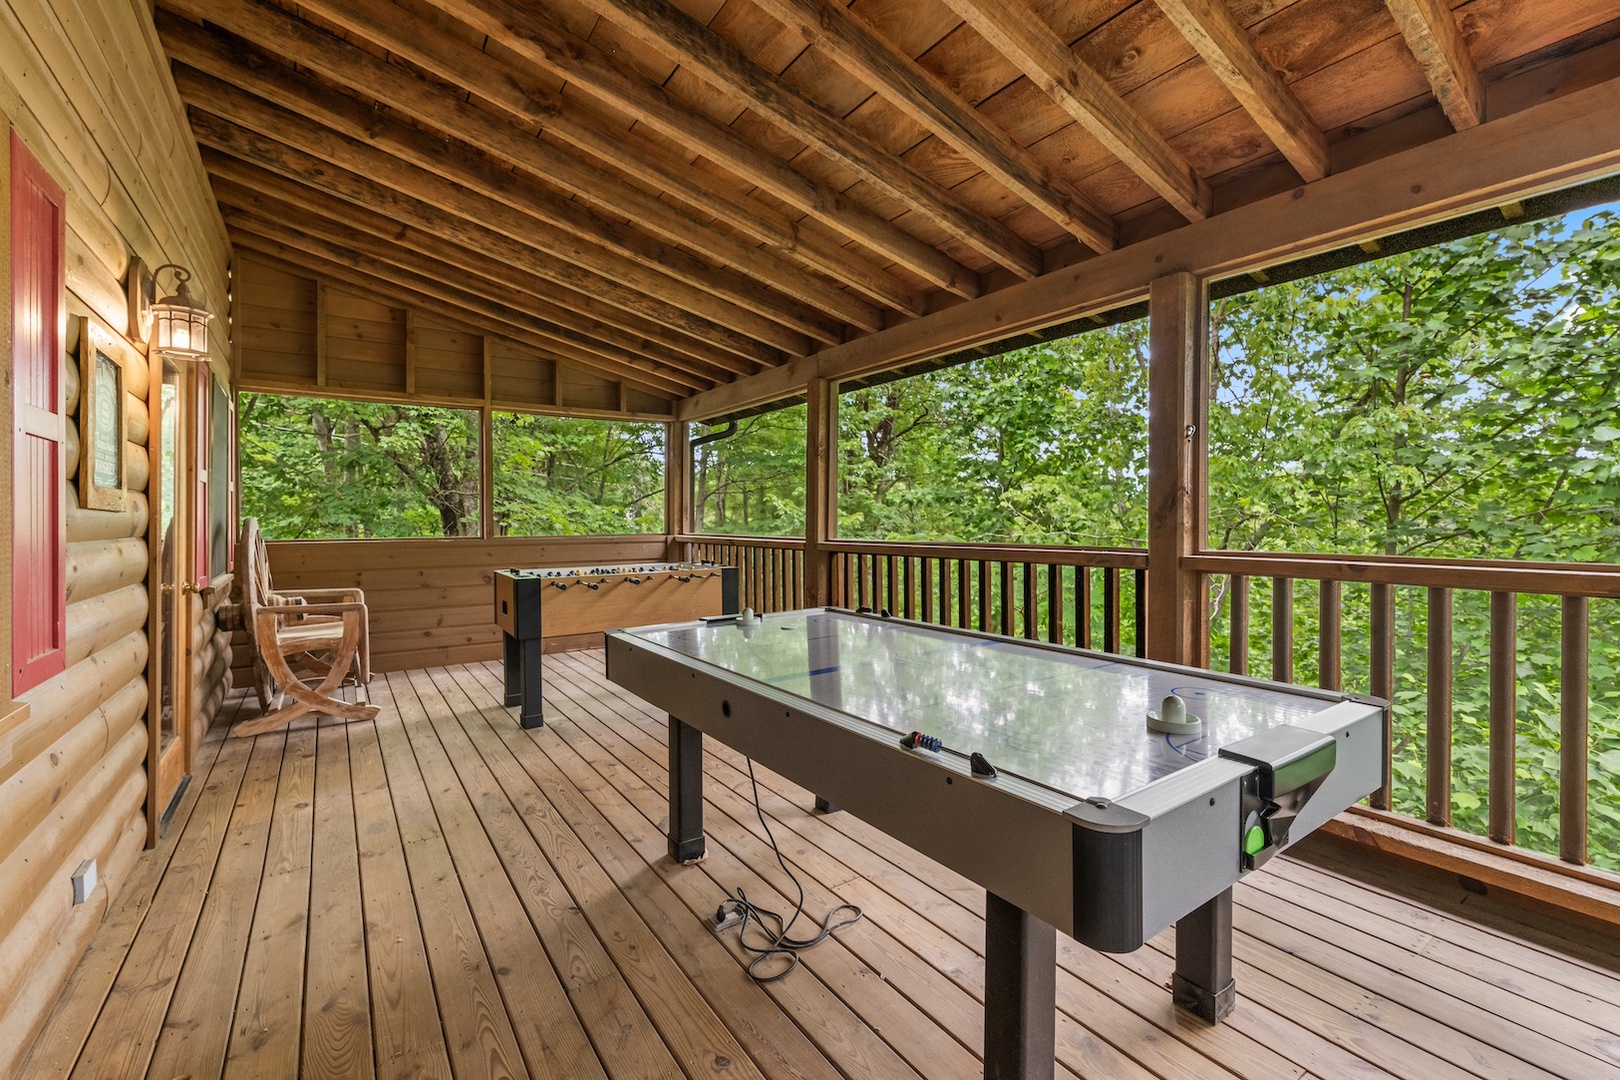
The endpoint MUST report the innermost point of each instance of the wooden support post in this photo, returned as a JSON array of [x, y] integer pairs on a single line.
[[1574, 737], [1503, 797], [1382, 673], [1176, 497], [1438, 750], [677, 486], [486, 472], [820, 488]]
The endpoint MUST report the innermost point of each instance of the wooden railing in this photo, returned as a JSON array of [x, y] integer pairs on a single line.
[[1390, 627], [1075, 596], [770, 568], [1090, 597]]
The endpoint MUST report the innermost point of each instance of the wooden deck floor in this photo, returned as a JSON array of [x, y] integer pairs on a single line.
[[441, 894]]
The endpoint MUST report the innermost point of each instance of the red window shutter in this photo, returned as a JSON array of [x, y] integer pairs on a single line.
[[39, 519]]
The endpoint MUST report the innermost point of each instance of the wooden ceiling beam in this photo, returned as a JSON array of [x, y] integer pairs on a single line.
[[232, 83], [285, 137], [1017, 32], [855, 46], [531, 31], [289, 36], [1432, 35], [517, 91], [316, 265], [278, 198], [266, 215], [1210, 28], [672, 32], [415, 287], [372, 193]]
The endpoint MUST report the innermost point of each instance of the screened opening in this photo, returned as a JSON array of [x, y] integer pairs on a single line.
[[558, 476], [1044, 444], [315, 469], [1452, 401], [751, 483]]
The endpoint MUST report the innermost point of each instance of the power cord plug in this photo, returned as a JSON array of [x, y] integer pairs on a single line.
[[725, 917]]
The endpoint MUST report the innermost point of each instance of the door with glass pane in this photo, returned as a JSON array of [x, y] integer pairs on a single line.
[[169, 758]]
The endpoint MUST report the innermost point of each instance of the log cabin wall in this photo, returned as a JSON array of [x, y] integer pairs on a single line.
[[86, 87]]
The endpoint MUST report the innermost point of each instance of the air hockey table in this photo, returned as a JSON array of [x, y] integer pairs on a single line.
[[1049, 786]]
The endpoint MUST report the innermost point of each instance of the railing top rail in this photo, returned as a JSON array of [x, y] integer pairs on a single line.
[[1551, 579], [1045, 554], [739, 541]]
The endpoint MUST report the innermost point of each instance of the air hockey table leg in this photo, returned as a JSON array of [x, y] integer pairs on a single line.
[[1020, 993], [686, 842], [1203, 983]]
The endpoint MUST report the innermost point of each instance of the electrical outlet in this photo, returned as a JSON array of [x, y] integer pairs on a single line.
[[725, 918], [84, 881]]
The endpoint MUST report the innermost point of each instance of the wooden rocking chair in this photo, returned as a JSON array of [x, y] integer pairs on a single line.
[[323, 632]]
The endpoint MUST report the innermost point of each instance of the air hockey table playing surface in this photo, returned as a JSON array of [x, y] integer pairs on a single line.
[[1069, 721]]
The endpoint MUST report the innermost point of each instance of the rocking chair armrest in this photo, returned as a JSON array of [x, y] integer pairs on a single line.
[[347, 592], [311, 609]]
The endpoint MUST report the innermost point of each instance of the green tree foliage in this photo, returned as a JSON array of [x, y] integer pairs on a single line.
[[751, 483], [556, 476], [314, 469], [1455, 401], [1044, 445]]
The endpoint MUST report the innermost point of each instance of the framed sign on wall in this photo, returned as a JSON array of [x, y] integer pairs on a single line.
[[102, 457]]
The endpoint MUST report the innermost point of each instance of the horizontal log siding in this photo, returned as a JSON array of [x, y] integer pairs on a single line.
[[105, 123]]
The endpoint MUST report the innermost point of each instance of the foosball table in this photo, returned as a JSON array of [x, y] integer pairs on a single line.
[[565, 601]]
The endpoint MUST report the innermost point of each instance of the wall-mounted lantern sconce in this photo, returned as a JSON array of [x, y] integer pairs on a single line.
[[177, 324]]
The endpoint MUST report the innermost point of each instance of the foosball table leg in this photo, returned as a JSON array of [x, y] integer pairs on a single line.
[[529, 714]]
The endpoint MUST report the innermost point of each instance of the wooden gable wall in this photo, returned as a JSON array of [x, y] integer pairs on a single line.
[[302, 334]]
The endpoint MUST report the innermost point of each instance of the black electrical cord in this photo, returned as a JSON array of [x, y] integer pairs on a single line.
[[778, 944]]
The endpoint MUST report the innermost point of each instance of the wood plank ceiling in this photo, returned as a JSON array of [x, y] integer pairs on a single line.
[[679, 193]]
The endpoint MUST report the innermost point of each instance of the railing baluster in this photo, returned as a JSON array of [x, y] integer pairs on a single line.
[[889, 591], [1437, 794], [1054, 603], [1238, 647], [1330, 606], [1282, 629], [1082, 607], [1503, 791], [964, 595], [1381, 669], [860, 581], [927, 574], [1007, 611], [1139, 609], [1111, 609], [1031, 610], [911, 586], [984, 595], [1573, 736]]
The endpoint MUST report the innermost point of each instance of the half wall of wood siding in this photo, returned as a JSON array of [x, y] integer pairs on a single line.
[[86, 87], [432, 601]]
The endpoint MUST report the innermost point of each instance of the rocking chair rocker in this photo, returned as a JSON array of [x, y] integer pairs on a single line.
[[321, 631]]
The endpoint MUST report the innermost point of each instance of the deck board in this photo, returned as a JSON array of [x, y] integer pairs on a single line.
[[442, 894]]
